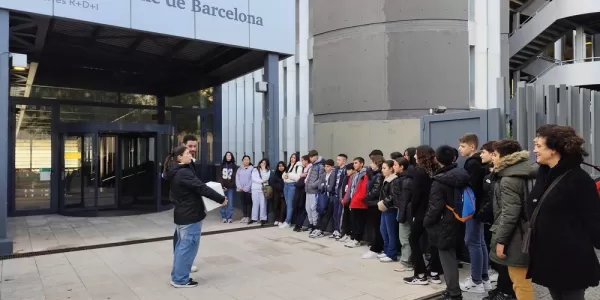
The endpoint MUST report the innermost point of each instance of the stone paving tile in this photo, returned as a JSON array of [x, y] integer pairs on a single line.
[[49, 232]]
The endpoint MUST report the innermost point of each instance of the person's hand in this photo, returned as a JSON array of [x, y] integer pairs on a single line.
[[500, 251], [285, 176], [224, 189], [265, 181], [225, 202]]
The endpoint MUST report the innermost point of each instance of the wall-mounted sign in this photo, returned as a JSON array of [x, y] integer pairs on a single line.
[[45, 174], [259, 24]]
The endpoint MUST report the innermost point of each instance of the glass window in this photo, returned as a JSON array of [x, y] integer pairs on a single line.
[[199, 99], [33, 157], [80, 113]]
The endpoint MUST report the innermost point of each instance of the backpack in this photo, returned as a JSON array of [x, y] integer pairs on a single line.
[[464, 204]]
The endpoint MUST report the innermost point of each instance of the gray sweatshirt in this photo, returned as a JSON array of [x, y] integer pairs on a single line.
[[243, 178]]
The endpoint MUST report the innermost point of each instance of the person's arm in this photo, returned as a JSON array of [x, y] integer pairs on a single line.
[[511, 208], [476, 175], [189, 179], [361, 190], [237, 181], [589, 209], [294, 174], [256, 176], [437, 204], [416, 187]]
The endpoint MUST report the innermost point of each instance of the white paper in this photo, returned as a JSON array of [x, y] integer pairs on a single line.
[[211, 204]]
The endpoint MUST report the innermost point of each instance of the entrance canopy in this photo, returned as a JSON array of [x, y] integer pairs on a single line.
[[157, 47]]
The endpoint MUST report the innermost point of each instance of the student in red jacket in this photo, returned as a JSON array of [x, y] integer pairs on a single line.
[[598, 186], [358, 208]]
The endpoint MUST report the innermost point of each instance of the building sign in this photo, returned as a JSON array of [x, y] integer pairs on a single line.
[[258, 24]]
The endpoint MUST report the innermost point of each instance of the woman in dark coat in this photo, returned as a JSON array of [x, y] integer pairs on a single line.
[[566, 229], [276, 182]]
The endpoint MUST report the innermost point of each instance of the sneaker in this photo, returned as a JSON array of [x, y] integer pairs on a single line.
[[335, 235], [251, 222], [493, 275], [230, 221], [263, 222], [189, 284], [404, 267], [224, 220], [370, 255], [284, 225], [244, 220], [416, 280], [499, 296], [297, 229], [435, 278], [446, 296], [471, 287], [344, 239], [385, 259], [318, 234], [311, 233], [382, 255], [194, 269], [352, 244], [487, 285], [276, 223]]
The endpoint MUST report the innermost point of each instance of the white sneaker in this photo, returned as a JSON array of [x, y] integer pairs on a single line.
[[244, 220], [284, 225], [382, 255], [276, 223], [313, 233], [194, 269], [352, 244], [344, 239], [335, 235], [385, 259], [469, 286], [487, 285], [493, 275], [370, 255], [318, 234]]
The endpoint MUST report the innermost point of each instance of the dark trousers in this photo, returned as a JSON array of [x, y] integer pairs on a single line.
[[358, 218], [279, 207], [246, 204], [416, 232], [504, 284], [326, 216], [374, 220], [337, 214], [300, 208], [567, 294], [346, 221], [462, 254], [451, 275]]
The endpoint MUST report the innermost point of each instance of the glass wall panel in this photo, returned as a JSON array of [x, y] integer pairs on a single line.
[[79, 113], [200, 99], [33, 157], [188, 123]]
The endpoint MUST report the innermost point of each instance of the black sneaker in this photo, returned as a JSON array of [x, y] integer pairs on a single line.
[[263, 223], [416, 280], [189, 284], [446, 296], [297, 229], [251, 222], [435, 279]]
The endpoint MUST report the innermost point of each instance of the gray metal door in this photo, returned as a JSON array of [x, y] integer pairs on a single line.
[[446, 129]]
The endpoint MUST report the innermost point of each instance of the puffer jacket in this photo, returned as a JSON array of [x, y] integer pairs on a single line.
[[510, 220], [390, 191], [403, 203], [485, 213], [186, 193], [315, 174], [442, 227], [374, 188]]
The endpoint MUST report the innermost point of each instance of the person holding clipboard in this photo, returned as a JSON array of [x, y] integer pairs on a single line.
[[186, 193]]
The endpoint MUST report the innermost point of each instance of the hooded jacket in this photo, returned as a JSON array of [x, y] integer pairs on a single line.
[[403, 202], [315, 173], [566, 229], [390, 191], [442, 227], [510, 220], [421, 186], [474, 167], [186, 193]]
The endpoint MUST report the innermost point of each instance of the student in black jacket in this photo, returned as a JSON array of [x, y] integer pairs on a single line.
[[389, 201], [404, 217], [371, 199], [442, 226], [186, 193], [276, 182]]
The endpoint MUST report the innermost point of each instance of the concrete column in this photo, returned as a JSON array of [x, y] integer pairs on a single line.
[[579, 44], [558, 49], [6, 246], [516, 21], [218, 122], [271, 105]]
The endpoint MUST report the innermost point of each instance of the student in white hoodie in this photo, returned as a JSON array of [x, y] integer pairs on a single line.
[[290, 176]]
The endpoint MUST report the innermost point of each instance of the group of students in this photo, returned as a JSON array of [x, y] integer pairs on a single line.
[[411, 198]]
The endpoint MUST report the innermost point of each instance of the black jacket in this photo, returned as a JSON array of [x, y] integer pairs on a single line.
[[226, 175], [485, 213], [403, 203], [421, 186], [390, 191], [276, 181], [339, 190], [566, 230], [374, 188], [186, 193], [476, 171], [442, 227]]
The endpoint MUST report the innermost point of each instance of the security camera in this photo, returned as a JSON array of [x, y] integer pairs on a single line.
[[438, 110]]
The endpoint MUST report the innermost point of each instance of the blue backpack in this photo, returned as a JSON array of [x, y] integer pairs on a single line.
[[464, 204]]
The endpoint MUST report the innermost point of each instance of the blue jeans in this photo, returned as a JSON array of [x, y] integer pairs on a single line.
[[227, 211], [288, 193], [186, 250], [478, 252], [389, 232]]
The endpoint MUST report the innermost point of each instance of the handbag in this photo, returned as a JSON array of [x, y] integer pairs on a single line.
[[267, 189], [536, 211]]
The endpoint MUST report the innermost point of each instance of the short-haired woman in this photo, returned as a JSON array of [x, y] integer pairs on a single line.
[[186, 193], [564, 212]]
